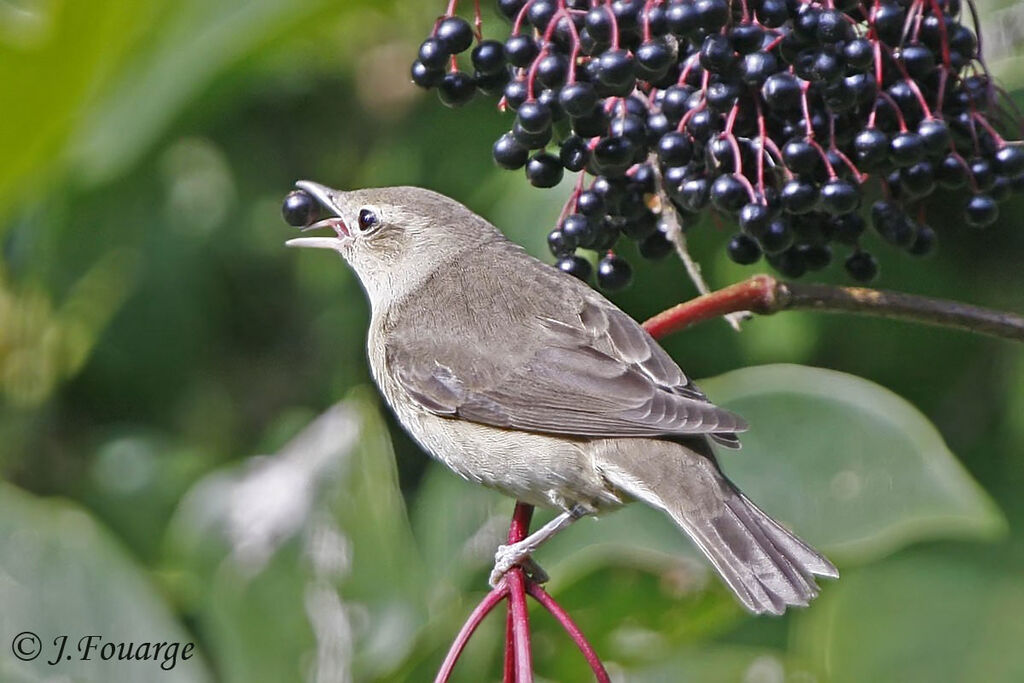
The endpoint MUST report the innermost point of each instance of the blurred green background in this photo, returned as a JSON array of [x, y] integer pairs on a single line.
[[164, 361]]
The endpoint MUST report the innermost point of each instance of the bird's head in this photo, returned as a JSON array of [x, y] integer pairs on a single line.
[[392, 237]]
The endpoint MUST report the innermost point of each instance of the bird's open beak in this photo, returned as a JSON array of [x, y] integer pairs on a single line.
[[325, 196]]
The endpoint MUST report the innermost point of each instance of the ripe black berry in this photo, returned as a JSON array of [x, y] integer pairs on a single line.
[[728, 193], [839, 197], [616, 68], [675, 149], [434, 53], [574, 153], [455, 33], [935, 136], [716, 54], [516, 93], [488, 57], [862, 266], [801, 156], [859, 54], [815, 256], [951, 172], [656, 246], [299, 209], [848, 228], [578, 231], [1009, 161], [981, 211], [756, 67], [889, 19], [693, 194], [613, 273], [924, 242], [746, 38], [1001, 189], [578, 99], [744, 249], [576, 266], [540, 13], [508, 153], [544, 170], [424, 76], [754, 219], [919, 179], [773, 13], [906, 148], [590, 204], [798, 196], [593, 124], [790, 262], [531, 140], [534, 117], [613, 155], [551, 70], [456, 88], [918, 60], [776, 238], [599, 23], [653, 60], [833, 27], [711, 14], [872, 148], [674, 101], [492, 84], [782, 91], [521, 50], [892, 223], [559, 245], [981, 171]]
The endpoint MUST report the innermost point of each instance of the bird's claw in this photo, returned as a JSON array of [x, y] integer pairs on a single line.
[[508, 556]]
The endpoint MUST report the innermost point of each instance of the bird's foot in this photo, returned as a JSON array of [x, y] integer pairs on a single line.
[[516, 555]]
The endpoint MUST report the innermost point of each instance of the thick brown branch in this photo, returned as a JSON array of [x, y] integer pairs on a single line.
[[765, 295]]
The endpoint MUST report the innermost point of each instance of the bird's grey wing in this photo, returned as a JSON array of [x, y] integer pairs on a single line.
[[593, 374]]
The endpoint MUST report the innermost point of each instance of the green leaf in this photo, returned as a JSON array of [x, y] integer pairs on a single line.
[[62, 574], [278, 556], [723, 664], [193, 43], [846, 463], [921, 617], [53, 57]]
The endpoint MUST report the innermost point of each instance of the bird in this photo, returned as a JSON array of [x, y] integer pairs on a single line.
[[522, 378]]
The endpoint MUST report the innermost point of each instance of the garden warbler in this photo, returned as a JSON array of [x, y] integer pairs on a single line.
[[520, 377]]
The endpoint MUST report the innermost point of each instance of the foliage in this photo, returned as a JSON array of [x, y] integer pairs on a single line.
[[155, 336]]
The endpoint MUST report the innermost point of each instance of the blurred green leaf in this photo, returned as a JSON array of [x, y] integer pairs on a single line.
[[849, 465], [277, 556], [458, 525], [62, 574], [724, 664], [53, 58], [196, 40], [918, 618]]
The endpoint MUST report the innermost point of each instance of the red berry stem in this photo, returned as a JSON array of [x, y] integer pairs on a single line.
[[485, 607], [570, 627], [765, 295]]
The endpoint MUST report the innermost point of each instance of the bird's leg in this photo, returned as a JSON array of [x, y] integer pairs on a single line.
[[519, 553]]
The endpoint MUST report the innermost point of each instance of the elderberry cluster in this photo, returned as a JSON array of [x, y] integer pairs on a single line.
[[774, 114]]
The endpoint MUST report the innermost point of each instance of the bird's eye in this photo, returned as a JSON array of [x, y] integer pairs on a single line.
[[367, 219]]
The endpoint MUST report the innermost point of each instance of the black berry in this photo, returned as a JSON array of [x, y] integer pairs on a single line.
[[299, 209]]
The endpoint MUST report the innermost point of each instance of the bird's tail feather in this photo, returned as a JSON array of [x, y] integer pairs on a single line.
[[764, 564]]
